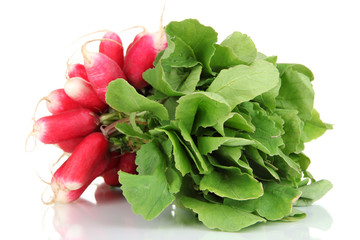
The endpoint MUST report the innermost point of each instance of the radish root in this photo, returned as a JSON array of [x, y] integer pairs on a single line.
[[33, 132], [85, 52]]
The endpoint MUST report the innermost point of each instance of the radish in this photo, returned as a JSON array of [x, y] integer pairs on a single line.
[[66, 125], [77, 70], [82, 92], [110, 175], [101, 70], [125, 163], [58, 101], [141, 54], [113, 49], [86, 163], [70, 144]]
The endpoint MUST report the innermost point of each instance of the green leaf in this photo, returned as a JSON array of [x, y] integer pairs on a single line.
[[200, 109], [224, 57], [242, 46], [296, 92], [128, 130], [267, 132], [234, 120], [261, 170], [293, 127], [148, 193], [243, 83], [268, 99], [123, 97], [174, 179], [200, 38], [220, 216], [313, 192], [292, 167], [314, 127], [275, 204], [207, 145], [297, 67], [201, 163], [231, 183], [181, 156], [230, 156], [295, 215]]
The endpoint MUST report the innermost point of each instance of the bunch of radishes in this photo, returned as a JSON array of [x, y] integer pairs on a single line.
[[74, 125]]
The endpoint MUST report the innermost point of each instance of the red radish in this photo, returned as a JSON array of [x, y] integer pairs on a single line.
[[82, 92], [77, 70], [70, 144], [66, 125], [101, 70], [86, 163], [126, 163], [110, 175], [65, 195], [141, 54], [113, 49], [58, 101]]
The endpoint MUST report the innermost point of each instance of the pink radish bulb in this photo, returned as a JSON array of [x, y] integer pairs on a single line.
[[58, 101], [66, 125], [113, 49], [82, 92], [126, 163], [69, 145], [64, 195], [86, 163], [77, 70], [141, 54], [101, 70], [110, 175]]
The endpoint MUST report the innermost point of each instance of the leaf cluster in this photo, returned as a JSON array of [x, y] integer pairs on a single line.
[[226, 128]]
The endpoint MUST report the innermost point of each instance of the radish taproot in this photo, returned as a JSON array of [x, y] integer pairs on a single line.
[[101, 70], [110, 175], [82, 92], [87, 162], [113, 49], [77, 70], [125, 163], [69, 145], [66, 125], [58, 101], [141, 54]]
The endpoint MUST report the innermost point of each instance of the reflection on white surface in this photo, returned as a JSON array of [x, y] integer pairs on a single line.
[[111, 217]]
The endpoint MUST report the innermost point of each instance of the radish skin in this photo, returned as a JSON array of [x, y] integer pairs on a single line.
[[69, 145], [65, 195], [82, 92], [125, 163], [86, 163], [141, 54], [113, 49], [101, 70], [66, 125], [110, 175], [58, 101], [77, 70]]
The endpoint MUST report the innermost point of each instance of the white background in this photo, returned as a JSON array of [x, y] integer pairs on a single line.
[[38, 37]]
